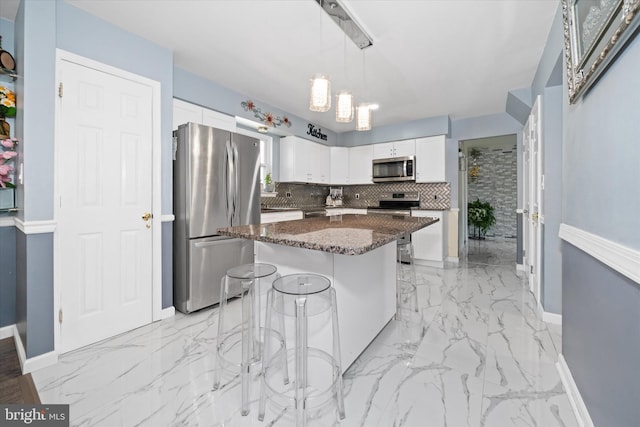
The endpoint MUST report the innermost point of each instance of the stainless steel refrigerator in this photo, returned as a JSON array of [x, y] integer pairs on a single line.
[[215, 184]]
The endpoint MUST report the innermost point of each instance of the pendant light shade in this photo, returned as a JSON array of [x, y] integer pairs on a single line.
[[344, 107], [320, 96], [363, 117]]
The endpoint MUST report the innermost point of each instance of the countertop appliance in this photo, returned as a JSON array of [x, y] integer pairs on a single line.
[[397, 204], [394, 169], [215, 184]]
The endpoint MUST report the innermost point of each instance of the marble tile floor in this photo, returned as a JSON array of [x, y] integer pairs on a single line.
[[479, 355]]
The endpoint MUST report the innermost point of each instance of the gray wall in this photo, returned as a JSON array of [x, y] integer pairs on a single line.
[[600, 331], [600, 182], [7, 276]]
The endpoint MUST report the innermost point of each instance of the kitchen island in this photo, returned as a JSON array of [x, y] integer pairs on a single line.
[[356, 252]]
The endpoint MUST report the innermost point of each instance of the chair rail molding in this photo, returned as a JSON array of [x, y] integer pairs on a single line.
[[36, 227], [621, 258]]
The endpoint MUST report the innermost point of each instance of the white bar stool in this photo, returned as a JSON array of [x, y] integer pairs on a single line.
[[245, 337], [302, 296]]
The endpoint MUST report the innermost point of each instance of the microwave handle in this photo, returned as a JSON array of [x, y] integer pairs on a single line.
[[404, 167]]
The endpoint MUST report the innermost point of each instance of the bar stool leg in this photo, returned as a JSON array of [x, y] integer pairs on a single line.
[[248, 327], [337, 355], [224, 291], [283, 342], [301, 351], [266, 350]]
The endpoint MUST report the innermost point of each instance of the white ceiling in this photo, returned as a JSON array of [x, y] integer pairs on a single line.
[[429, 57]]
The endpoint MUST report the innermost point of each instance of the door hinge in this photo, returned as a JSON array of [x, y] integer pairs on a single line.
[[60, 90], [60, 316], [531, 268]]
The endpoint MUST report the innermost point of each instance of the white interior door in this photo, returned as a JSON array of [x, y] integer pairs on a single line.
[[105, 188], [533, 200]]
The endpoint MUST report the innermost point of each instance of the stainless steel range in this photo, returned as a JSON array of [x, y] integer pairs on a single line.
[[396, 204]]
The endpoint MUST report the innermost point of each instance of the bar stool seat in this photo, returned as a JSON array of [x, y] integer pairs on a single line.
[[241, 346], [316, 373]]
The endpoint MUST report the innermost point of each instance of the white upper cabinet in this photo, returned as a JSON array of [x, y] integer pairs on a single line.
[[430, 159], [185, 112], [339, 165], [304, 161], [394, 149], [360, 168]]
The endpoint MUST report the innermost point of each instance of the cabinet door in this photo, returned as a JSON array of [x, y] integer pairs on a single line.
[[339, 165], [428, 242], [218, 120], [430, 159], [360, 164], [320, 162], [296, 156], [404, 148], [184, 112], [383, 150]]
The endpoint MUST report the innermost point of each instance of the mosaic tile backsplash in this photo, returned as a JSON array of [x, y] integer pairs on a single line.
[[433, 196], [497, 184]]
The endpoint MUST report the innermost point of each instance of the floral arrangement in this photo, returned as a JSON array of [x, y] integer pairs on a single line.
[[267, 118], [7, 102], [6, 155]]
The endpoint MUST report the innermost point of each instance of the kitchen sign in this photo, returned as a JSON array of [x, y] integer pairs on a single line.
[[317, 133]]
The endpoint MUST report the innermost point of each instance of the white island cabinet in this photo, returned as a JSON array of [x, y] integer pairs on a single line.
[[428, 243]]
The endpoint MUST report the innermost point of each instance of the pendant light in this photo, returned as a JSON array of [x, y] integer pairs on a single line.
[[320, 96], [344, 107], [363, 117], [320, 85]]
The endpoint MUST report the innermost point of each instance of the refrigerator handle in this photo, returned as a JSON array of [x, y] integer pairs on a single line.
[[236, 183], [229, 193]]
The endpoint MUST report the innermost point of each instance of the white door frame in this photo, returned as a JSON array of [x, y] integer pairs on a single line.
[[156, 144]]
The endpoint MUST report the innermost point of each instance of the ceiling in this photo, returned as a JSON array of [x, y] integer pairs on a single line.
[[429, 58]]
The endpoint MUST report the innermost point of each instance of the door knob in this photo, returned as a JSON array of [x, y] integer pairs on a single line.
[[534, 217], [146, 217]]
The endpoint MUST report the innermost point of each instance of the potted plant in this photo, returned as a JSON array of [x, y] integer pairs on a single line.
[[481, 217], [269, 185]]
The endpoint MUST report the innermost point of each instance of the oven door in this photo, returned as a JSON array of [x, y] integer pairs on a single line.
[[394, 169]]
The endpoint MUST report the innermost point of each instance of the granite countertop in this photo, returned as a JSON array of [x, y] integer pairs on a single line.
[[342, 234]]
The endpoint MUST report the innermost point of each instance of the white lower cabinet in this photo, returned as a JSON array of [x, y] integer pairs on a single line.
[[269, 217], [428, 243]]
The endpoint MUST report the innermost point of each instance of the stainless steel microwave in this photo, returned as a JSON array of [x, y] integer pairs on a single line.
[[394, 169]]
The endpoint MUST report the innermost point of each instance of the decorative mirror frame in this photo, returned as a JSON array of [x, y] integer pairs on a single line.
[[616, 28]]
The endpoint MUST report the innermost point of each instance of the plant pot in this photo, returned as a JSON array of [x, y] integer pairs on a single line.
[[5, 129]]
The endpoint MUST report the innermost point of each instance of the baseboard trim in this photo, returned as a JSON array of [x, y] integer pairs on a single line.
[[33, 363], [167, 312], [520, 267], [575, 398], [621, 258], [553, 318], [7, 331], [427, 263], [453, 259]]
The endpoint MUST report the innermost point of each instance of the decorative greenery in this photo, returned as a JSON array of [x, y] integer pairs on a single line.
[[267, 179], [267, 118], [481, 216], [7, 102]]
